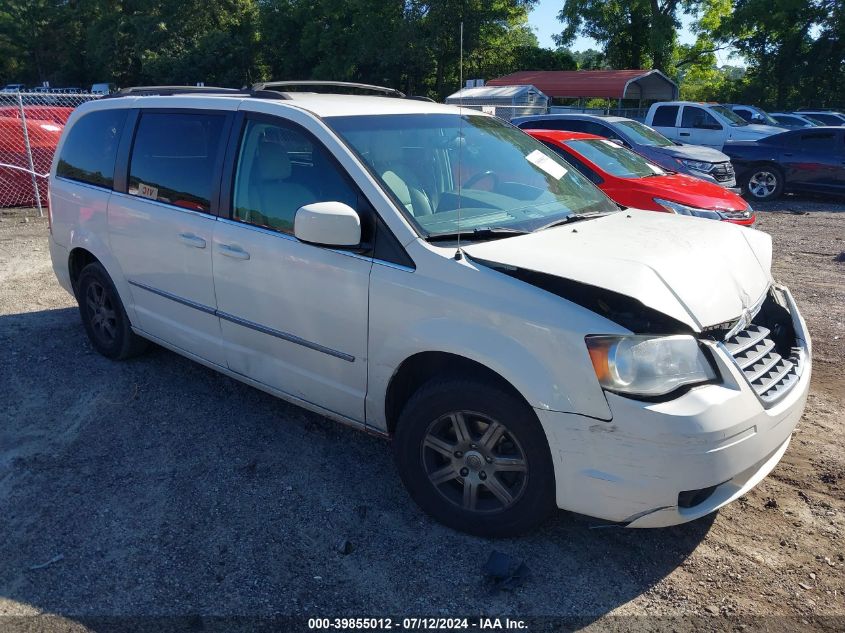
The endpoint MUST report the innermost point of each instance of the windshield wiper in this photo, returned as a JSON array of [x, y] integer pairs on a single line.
[[487, 233], [569, 219]]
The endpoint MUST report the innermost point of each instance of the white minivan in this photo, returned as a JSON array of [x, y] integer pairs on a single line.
[[438, 277], [708, 124]]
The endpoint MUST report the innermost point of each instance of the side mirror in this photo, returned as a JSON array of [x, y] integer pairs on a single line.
[[328, 224]]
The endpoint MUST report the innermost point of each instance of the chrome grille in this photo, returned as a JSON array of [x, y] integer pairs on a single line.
[[736, 215], [769, 374], [723, 172]]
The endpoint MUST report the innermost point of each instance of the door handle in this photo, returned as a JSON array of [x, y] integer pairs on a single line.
[[788, 154], [683, 133], [235, 252], [189, 239]]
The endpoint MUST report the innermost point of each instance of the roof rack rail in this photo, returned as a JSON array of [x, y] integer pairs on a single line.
[[167, 91], [274, 85]]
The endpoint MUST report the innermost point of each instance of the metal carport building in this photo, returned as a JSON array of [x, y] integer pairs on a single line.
[[639, 85]]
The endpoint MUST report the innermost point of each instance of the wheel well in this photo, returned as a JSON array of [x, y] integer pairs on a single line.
[[420, 368], [768, 164], [79, 259]]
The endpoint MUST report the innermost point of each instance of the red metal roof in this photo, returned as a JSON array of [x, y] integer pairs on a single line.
[[610, 84]]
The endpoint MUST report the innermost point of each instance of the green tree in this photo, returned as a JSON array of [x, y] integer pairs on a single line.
[[786, 63], [590, 59], [634, 33]]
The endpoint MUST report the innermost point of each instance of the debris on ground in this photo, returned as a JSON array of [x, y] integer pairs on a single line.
[[505, 571], [55, 559]]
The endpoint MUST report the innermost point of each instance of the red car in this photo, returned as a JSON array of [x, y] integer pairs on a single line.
[[632, 181], [44, 125]]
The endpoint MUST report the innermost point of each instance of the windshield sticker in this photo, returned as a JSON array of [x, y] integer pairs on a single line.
[[655, 169], [147, 191], [545, 163], [611, 143]]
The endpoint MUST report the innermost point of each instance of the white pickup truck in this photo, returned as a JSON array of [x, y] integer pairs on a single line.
[[704, 123]]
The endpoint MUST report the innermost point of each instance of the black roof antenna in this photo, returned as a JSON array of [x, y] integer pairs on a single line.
[[459, 255]]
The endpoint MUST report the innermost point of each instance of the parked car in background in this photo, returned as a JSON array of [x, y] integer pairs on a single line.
[[752, 114], [103, 88], [806, 160], [44, 127], [524, 342], [633, 181], [702, 162], [795, 120], [828, 117], [708, 124], [57, 114]]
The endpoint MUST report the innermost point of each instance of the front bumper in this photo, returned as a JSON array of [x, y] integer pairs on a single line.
[[632, 469]]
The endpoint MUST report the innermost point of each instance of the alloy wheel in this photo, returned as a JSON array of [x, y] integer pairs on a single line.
[[101, 311], [762, 184], [475, 462]]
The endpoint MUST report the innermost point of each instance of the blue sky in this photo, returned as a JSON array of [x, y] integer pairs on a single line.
[[543, 20]]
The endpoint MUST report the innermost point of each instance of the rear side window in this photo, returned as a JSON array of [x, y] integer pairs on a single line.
[[601, 130], [89, 151], [665, 116], [817, 141], [174, 156], [828, 119], [551, 124]]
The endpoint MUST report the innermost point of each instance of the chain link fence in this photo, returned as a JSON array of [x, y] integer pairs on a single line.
[[30, 126]]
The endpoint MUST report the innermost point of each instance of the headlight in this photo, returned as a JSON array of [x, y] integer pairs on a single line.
[[682, 209], [697, 165], [648, 365]]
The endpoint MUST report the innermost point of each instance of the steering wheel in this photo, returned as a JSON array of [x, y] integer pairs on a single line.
[[480, 176]]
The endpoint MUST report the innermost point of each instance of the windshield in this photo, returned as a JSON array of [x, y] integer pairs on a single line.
[[734, 120], [828, 118], [644, 135], [614, 160], [768, 118], [452, 172]]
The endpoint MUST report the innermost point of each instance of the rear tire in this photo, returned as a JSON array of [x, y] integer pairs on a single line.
[[763, 183], [475, 458], [104, 317]]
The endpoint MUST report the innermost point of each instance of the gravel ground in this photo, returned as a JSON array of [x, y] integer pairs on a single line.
[[156, 487]]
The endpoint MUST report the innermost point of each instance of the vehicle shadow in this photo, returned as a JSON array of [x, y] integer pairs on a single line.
[[157, 487]]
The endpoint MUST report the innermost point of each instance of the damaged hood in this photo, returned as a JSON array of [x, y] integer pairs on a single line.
[[700, 272]]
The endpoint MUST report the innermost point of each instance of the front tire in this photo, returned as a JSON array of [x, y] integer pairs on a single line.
[[475, 458], [763, 182], [103, 315]]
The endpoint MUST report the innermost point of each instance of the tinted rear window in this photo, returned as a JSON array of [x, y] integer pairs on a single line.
[[89, 151], [822, 141], [173, 158], [665, 116]]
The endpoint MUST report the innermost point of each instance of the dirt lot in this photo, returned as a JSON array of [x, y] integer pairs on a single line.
[[158, 487]]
